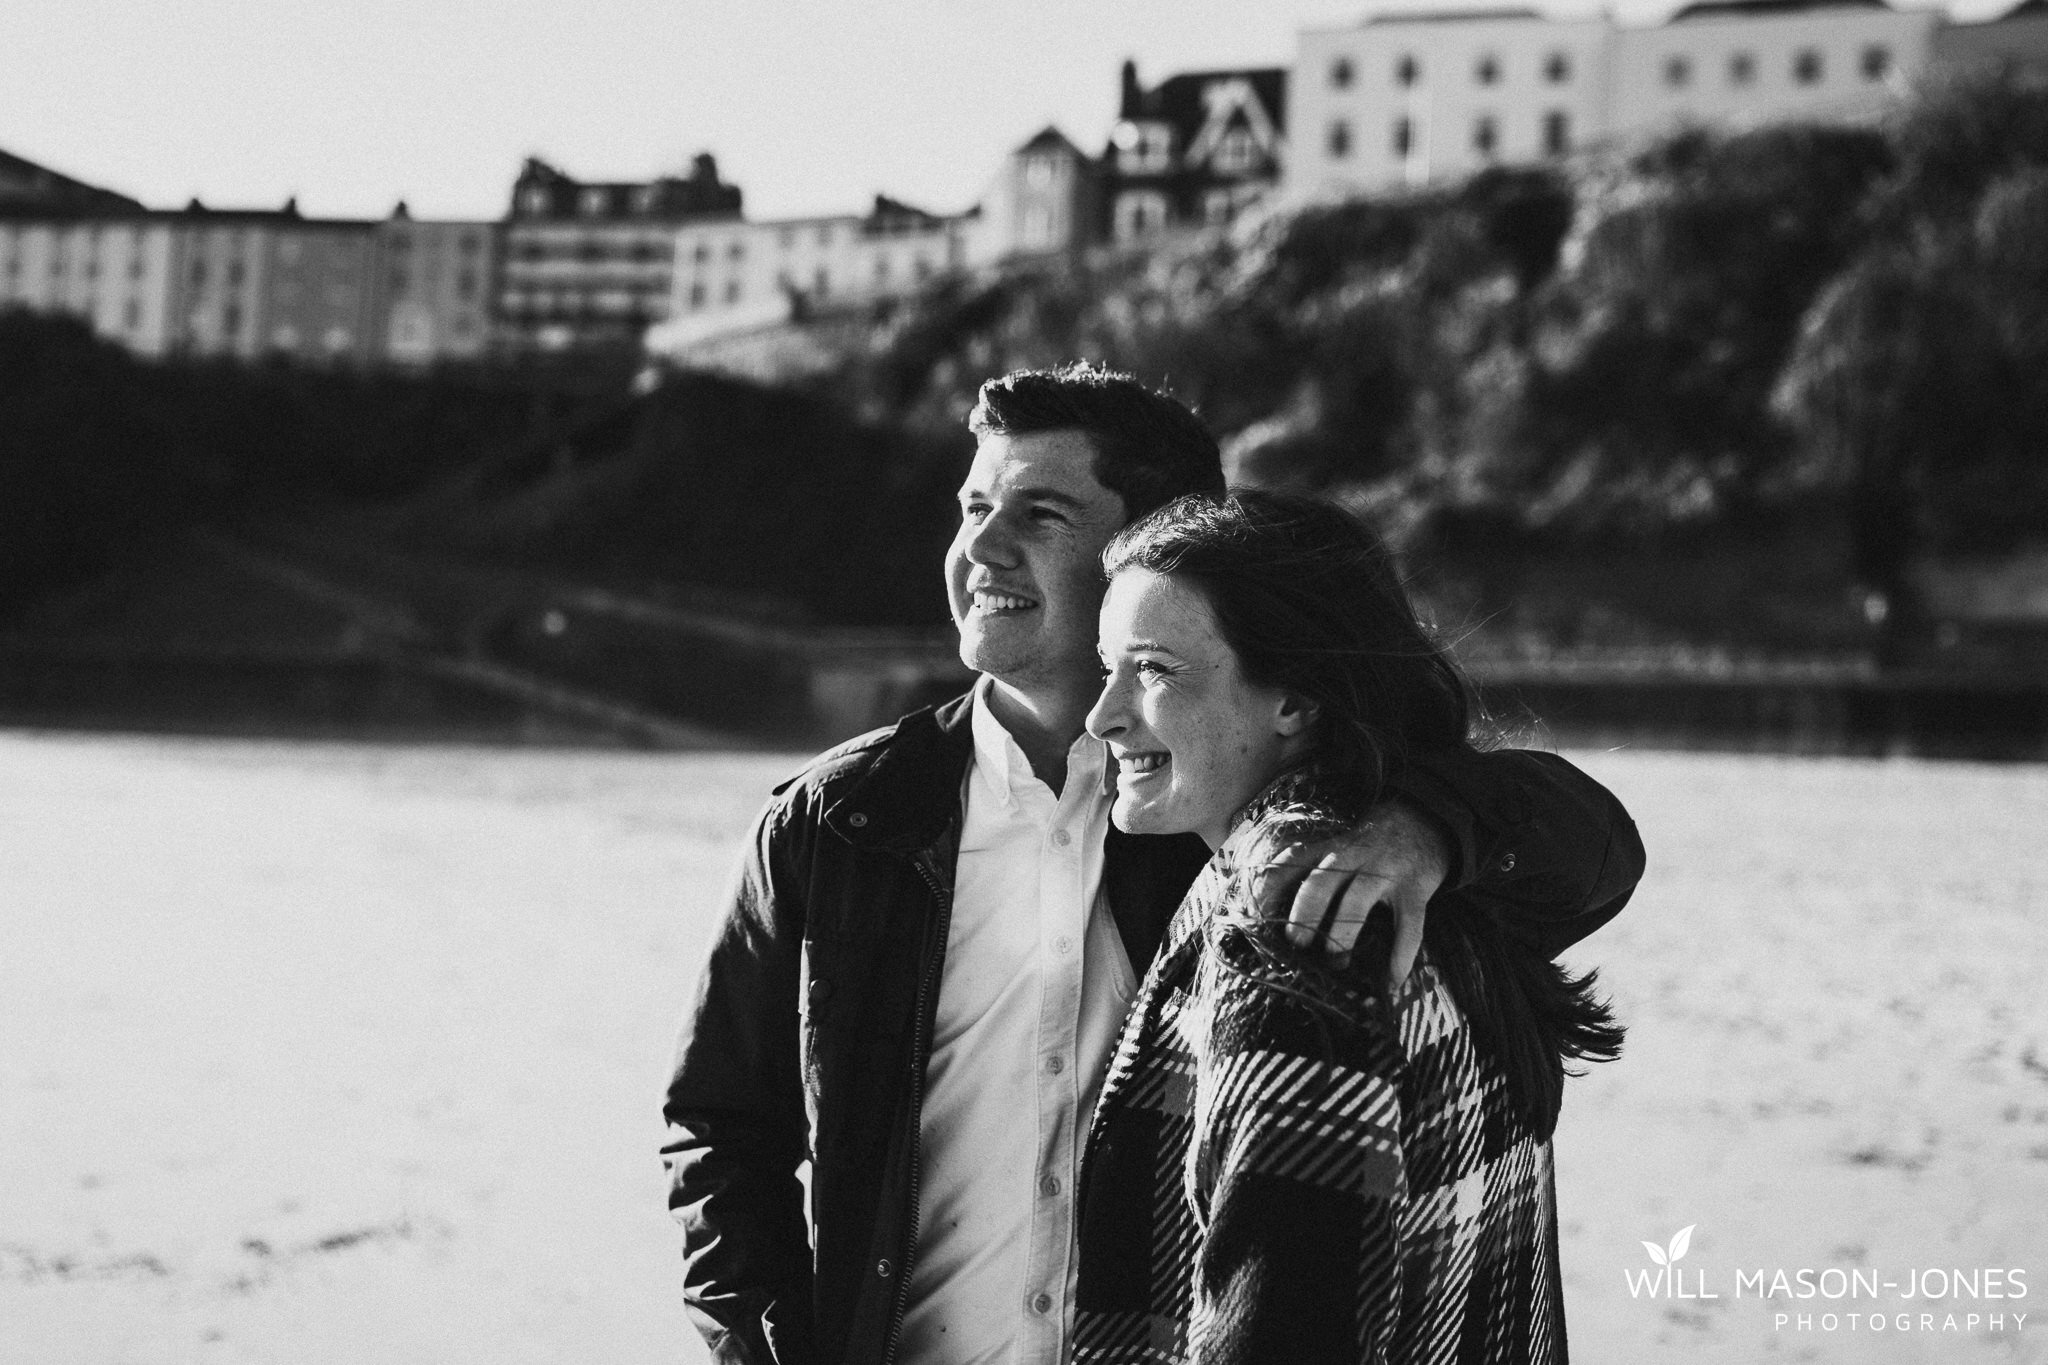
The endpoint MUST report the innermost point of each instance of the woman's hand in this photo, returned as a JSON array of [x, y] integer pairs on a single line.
[[1326, 890]]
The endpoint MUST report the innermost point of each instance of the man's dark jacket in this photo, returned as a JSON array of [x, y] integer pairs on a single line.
[[812, 1023]]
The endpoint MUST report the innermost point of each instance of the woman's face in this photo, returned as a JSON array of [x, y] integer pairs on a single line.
[[1193, 740]]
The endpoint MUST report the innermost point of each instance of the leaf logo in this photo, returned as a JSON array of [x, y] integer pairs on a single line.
[[1680, 1240]]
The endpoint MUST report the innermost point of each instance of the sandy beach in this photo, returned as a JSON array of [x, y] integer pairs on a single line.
[[323, 1053]]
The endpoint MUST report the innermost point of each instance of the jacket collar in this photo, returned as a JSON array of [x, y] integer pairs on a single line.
[[908, 795]]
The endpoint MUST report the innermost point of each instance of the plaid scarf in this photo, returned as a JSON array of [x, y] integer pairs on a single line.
[[1267, 1181]]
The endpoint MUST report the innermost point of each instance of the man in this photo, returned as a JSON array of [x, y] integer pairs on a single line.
[[936, 930]]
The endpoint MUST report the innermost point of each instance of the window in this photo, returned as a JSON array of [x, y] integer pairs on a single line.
[[922, 267], [1236, 153], [786, 238], [1557, 133], [1038, 228], [1742, 68], [821, 282], [1557, 68], [533, 199], [593, 202], [1340, 74], [881, 270], [1217, 207], [735, 250], [1407, 71], [1487, 69], [1038, 171], [231, 319], [399, 280], [469, 245], [198, 274], [465, 285], [1485, 135], [1678, 72], [131, 315], [1138, 212], [135, 264], [400, 242], [1339, 140], [643, 199], [732, 291], [1404, 136], [824, 234], [697, 295], [1877, 62], [1807, 67], [702, 253], [1155, 147]]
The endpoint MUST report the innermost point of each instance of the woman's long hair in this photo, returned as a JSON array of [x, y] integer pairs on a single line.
[[1310, 602]]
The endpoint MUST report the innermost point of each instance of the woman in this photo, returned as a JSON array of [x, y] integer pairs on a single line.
[[1292, 1162]]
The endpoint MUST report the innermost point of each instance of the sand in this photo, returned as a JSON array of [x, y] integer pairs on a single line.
[[320, 1053]]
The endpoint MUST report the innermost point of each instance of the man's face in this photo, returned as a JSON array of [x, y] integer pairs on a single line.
[[1024, 572]]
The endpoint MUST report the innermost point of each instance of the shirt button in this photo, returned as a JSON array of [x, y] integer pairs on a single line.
[[1041, 1304], [1063, 945], [883, 1268], [1049, 1186], [1055, 1065], [1062, 838], [1507, 862]]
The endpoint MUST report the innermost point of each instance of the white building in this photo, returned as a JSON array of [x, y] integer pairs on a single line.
[[1405, 100], [1743, 63], [1045, 198], [435, 290], [113, 272], [734, 274], [589, 263]]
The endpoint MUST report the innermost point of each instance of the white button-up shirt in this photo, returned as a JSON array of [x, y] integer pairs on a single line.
[[1035, 986]]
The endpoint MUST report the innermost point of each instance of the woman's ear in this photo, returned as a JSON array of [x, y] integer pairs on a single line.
[[1297, 713]]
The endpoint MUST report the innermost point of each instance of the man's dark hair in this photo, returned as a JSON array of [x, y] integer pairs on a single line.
[[1149, 448]]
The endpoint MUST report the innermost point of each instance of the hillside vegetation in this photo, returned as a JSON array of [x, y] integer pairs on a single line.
[[1723, 388], [1834, 326]]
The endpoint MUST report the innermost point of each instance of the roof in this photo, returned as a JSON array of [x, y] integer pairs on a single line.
[[1179, 100], [886, 209], [699, 194], [1752, 9], [1051, 139], [1454, 16], [25, 182]]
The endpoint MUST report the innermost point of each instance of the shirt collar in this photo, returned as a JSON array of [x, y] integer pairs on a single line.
[[998, 757]]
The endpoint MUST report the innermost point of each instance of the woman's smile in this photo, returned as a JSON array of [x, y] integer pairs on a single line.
[[1193, 738]]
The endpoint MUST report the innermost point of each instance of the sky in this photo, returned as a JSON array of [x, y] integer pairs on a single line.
[[809, 107]]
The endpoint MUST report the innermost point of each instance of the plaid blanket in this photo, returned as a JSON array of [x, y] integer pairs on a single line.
[[1267, 1182]]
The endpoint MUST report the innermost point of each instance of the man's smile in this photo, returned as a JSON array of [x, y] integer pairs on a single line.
[[989, 600]]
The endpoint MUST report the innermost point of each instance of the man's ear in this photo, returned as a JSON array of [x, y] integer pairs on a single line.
[[1297, 713]]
